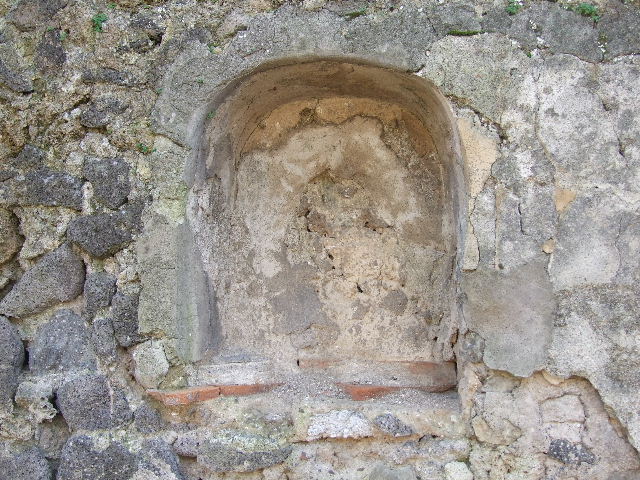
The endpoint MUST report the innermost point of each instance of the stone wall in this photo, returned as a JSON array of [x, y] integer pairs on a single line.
[[104, 281]]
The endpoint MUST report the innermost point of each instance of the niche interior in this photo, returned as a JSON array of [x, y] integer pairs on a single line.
[[324, 203]]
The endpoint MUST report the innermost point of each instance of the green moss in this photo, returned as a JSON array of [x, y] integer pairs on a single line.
[[98, 21], [142, 148], [464, 33], [355, 13], [587, 10], [513, 7]]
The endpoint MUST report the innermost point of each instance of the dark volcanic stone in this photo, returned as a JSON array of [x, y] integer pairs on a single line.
[[235, 451], [63, 343], [101, 112], [49, 52], [10, 239], [29, 14], [57, 277], [125, 319], [109, 75], [110, 180], [13, 73], [43, 187], [103, 234], [147, 420], [570, 453], [28, 465], [80, 460], [11, 359], [393, 425], [99, 288], [29, 158], [155, 453], [103, 339], [90, 403]]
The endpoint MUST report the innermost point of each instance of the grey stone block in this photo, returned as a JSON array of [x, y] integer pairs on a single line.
[[234, 451], [103, 339], [10, 240], [43, 187], [28, 465], [50, 54], [81, 460], [11, 360], [90, 403], [29, 158], [62, 344], [158, 459], [392, 425], [101, 112], [13, 73], [99, 288], [147, 419], [110, 180], [103, 234], [57, 277], [28, 14], [125, 319]]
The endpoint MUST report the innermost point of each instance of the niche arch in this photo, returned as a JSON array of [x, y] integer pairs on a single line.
[[327, 202]]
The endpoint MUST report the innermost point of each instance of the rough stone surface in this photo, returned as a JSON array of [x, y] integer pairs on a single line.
[[457, 471], [339, 424], [103, 339], [568, 452], [43, 229], [91, 403], [99, 288], [11, 360], [62, 344], [43, 186], [50, 52], [101, 112], [233, 451], [27, 14], [148, 420], [81, 460], [392, 425], [124, 309], [52, 436], [28, 465], [57, 277], [14, 74], [10, 241], [150, 363], [100, 234], [385, 472], [110, 180], [36, 397], [524, 296]]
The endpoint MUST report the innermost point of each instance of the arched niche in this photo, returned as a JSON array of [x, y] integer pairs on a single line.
[[325, 200]]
